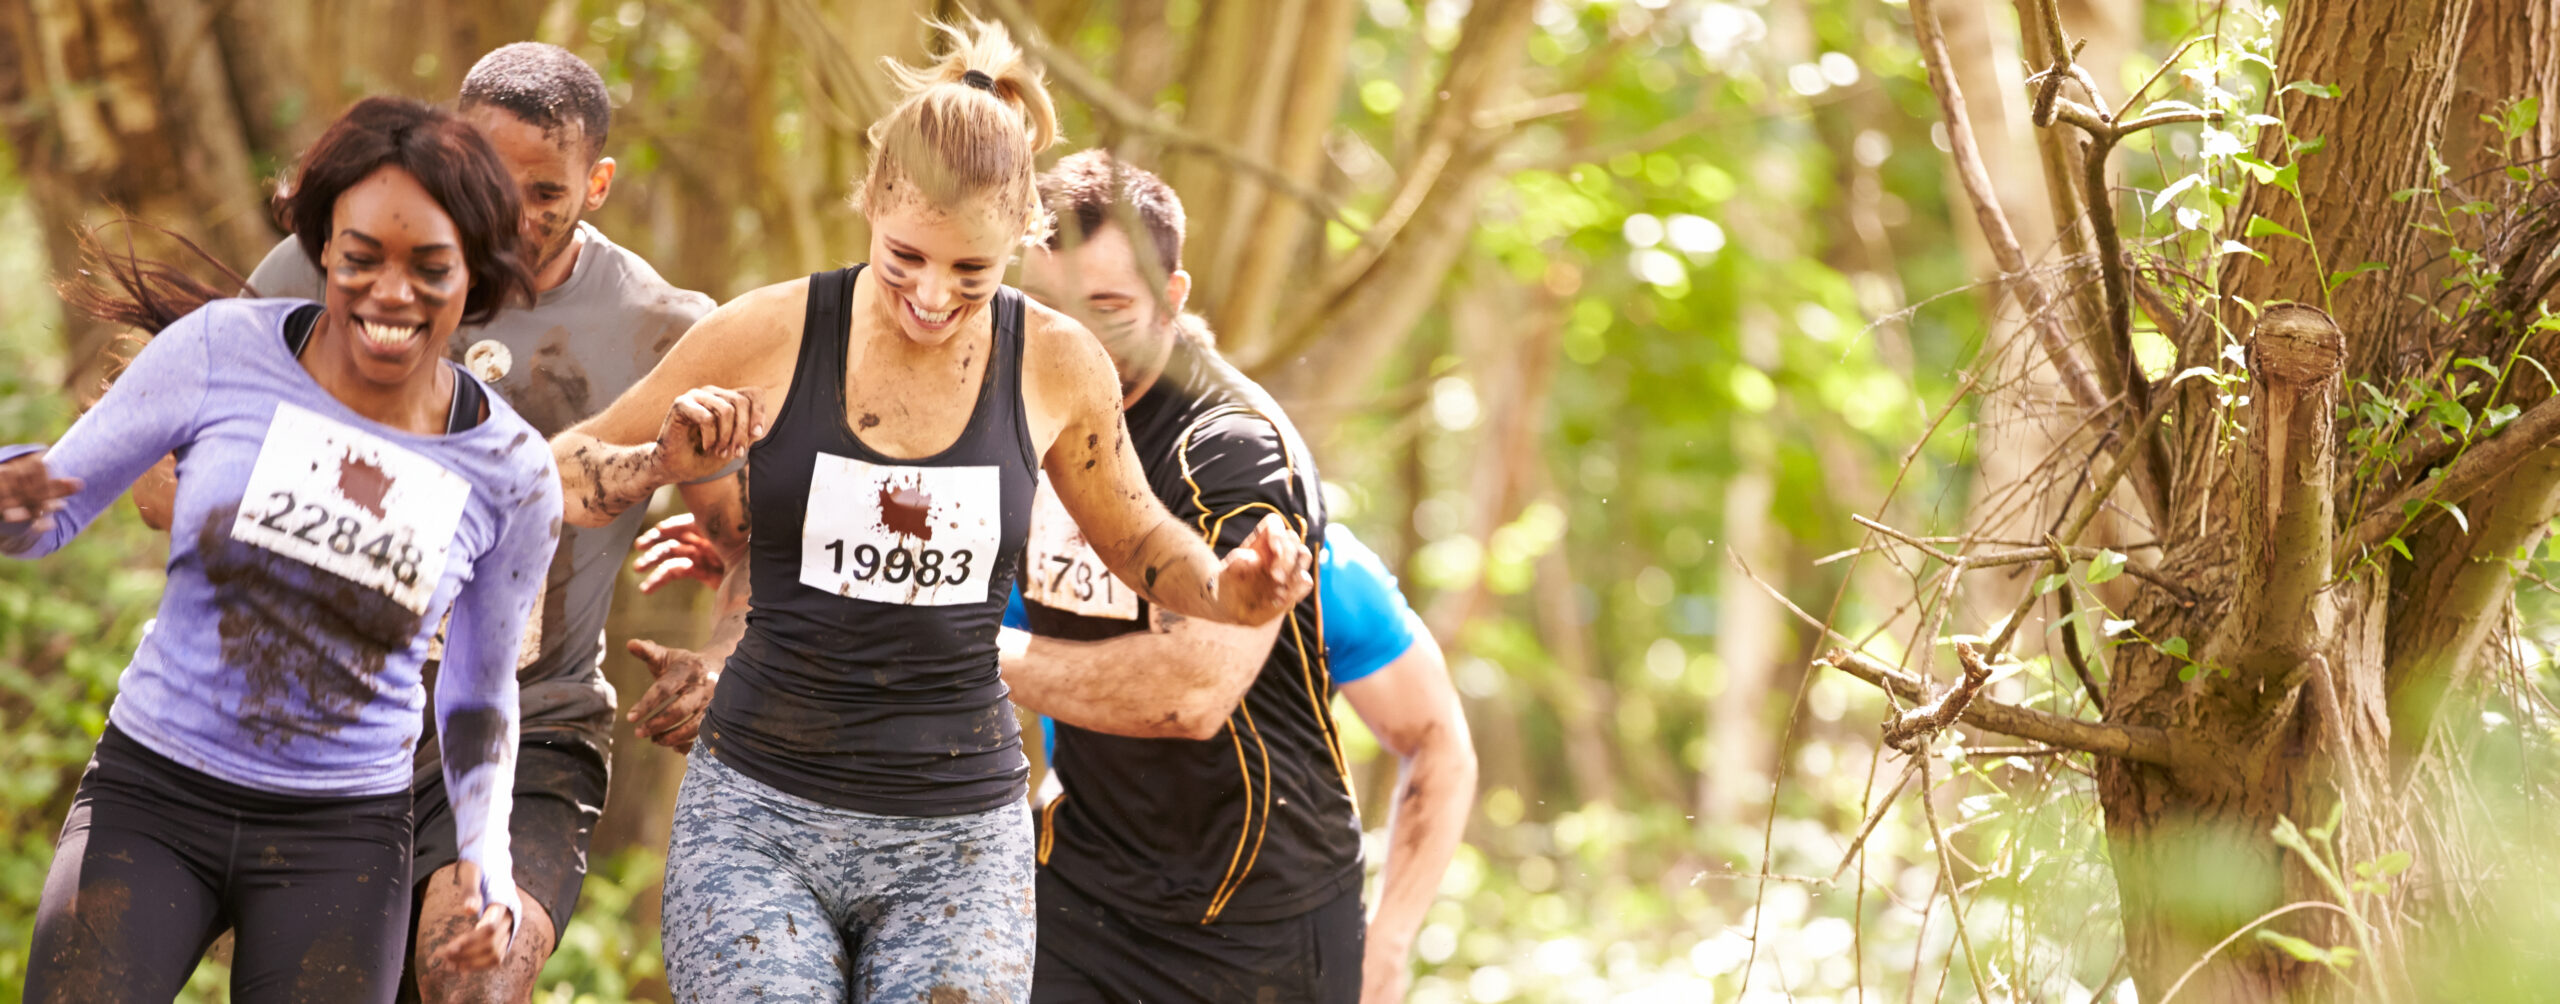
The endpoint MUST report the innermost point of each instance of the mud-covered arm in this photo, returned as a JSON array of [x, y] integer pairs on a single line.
[[153, 408], [475, 696], [699, 409], [1178, 680], [1412, 709], [1096, 473], [1184, 676]]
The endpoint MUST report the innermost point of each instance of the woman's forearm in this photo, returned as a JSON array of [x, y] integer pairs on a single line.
[[599, 481]]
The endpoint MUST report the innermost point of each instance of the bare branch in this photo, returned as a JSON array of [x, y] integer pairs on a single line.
[[1911, 730], [1108, 102], [2140, 743], [2483, 463], [2163, 70]]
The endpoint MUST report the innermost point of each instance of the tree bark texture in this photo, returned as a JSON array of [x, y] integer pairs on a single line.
[[2320, 661]]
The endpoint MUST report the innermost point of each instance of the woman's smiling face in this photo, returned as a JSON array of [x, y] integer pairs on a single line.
[[940, 266], [396, 278]]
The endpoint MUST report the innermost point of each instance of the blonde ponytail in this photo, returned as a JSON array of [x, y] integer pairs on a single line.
[[967, 126]]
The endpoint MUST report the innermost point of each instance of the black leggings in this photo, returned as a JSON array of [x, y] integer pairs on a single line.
[[156, 859]]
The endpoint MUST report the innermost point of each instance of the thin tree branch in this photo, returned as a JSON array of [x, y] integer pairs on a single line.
[[2090, 391], [2163, 70], [2483, 463], [1108, 102], [2140, 743]]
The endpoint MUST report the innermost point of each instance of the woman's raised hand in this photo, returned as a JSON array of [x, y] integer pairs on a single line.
[[1267, 574], [706, 429], [30, 494]]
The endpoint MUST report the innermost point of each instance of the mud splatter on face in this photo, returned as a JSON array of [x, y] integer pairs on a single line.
[[907, 511], [364, 483]]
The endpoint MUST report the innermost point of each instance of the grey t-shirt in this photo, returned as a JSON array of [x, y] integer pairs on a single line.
[[558, 362]]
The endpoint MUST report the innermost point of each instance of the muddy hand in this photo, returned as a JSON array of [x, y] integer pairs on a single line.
[[1267, 574], [30, 494], [485, 945], [705, 429], [676, 549], [669, 713]]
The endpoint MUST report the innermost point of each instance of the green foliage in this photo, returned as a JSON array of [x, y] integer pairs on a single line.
[[68, 625]]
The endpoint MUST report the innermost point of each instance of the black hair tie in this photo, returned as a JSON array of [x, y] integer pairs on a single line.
[[979, 80]]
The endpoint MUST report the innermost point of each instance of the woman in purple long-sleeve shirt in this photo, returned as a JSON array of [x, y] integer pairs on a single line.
[[342, 487]]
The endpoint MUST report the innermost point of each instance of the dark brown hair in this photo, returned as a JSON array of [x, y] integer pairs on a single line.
[[448, 157], [1081, 190], [451, 161]]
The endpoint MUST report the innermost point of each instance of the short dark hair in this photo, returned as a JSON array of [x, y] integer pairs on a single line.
[[547, 86], [450, 159], [1079, 192]]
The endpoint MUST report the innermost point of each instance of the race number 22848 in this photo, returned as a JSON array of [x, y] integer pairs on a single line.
[[353, 504]]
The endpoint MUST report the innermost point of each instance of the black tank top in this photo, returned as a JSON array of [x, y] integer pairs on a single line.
[[867, 678]]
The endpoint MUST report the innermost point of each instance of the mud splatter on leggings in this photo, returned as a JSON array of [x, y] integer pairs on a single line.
[[775, 897]]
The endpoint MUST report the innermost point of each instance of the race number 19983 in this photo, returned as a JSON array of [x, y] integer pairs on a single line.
[[889, 533], [353, 504]]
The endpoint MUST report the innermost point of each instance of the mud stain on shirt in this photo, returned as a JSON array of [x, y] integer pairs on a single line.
[[907, 511], [364, 484], [311, 644]]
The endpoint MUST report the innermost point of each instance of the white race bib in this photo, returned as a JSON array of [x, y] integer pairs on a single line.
[[918, 536], [352, 504], [1061, 572]]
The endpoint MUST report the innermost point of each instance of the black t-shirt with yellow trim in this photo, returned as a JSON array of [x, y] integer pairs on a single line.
[[1257, 823]]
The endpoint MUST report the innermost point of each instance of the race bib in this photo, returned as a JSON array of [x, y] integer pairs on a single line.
[[918, 536], [352, 504], [1061, 571]]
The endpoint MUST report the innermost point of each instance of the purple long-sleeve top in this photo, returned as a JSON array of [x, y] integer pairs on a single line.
[[312, 553]]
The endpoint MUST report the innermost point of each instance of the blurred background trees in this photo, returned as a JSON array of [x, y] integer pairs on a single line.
[[1604, 317]]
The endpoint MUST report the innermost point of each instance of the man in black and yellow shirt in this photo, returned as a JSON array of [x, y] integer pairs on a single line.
[[1199, 839]]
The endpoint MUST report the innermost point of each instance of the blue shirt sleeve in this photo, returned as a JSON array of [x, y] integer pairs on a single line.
[[1367, 623], [1015, 616]]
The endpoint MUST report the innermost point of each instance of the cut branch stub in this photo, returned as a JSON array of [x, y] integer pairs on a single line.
[[2296, 355], [2297, 344]]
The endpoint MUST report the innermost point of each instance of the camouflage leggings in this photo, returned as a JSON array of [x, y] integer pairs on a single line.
[[774, 897]]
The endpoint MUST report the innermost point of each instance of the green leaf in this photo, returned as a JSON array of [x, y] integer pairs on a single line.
[[2456, 512], [2263, 171], [2260, 226], [2187, 673], [2175, 187], [2474, 208], [2340, 277], [2396, 544], [2174, 648], [2406, 194], [2499, 416], [2307, 87], [2051, 582], [2391, 864], [2106, 566], [2306, 147], [2298, 948]]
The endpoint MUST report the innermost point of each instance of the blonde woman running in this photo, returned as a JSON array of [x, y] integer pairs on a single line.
[[859, 830]]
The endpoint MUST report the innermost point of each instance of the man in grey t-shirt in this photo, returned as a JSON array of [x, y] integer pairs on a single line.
[[601, 319]]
